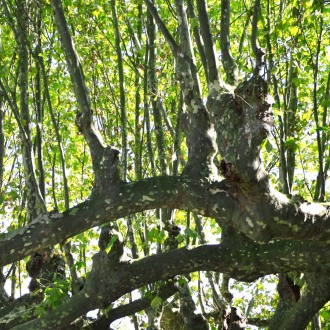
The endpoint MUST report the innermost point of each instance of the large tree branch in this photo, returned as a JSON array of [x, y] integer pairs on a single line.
[[35, 201], [315, 295], [130, 198], [110, 279], [19, 311], [199, 131], [260, 218], [196, 124], [247, 114]]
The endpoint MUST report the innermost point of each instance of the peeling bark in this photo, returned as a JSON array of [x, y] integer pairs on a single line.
[[263, 231]]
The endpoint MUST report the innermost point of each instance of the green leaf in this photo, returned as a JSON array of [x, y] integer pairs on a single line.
[[182, 281], [291, 143], [180, 238], [156, 302], [113, 240], [153, 234], [190, 233]]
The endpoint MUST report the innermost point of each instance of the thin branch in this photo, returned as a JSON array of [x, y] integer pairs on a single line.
[[153, 92], [254, 33], [72, 59], [14, 109], [104, 159], [10, 18], [35, 201], [146, 109], [135, 306], [166, 118], [170, 40], [228, 61], [186, 67], [258, 52], [320, 176], [212, 64], [122, 92], [2, 141], [57, 134], [198, 38], [78, 80]]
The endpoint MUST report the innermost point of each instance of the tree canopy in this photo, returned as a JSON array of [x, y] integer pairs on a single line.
[[158, 159]]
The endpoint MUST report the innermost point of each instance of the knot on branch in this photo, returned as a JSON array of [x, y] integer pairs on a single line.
[[288, 290], [81, 122], [242, 120], [44, 266], [227, 170], [171, 242], [253, 98], [260, 62]]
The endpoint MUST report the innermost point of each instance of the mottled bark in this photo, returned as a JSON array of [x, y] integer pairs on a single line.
[[35, 201], [192, 319], [263, 231], [266, 218], [153, 92], [133, 307], [197, 127], [297, 315], [113, 275]]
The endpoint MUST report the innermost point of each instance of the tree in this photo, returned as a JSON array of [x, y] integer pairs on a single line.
[[119, 126]]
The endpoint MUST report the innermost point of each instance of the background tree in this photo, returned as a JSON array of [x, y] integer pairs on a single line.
[[157, 159]]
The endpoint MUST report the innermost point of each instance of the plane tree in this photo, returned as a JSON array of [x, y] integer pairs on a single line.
[[156, 157]]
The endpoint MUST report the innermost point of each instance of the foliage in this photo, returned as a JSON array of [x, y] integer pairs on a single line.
[[131, 86]]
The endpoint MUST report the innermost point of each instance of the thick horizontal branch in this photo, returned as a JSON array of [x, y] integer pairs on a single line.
[[275, 216], [261, 218], [241, 261], [126, 199]]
